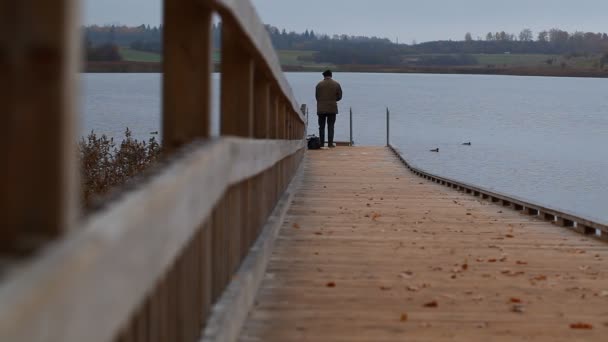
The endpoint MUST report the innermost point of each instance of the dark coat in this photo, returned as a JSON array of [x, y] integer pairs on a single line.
[[328, 93]]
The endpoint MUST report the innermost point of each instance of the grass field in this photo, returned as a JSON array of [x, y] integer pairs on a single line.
[[296, 60], [513, 59], [131, 55], [532, 60]]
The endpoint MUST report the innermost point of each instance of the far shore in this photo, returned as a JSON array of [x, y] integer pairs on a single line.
[[153, 67]]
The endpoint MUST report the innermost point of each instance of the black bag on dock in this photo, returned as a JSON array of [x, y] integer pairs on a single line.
[[314, 143]]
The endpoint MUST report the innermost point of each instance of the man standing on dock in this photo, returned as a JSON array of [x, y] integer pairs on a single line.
[[328, 93]]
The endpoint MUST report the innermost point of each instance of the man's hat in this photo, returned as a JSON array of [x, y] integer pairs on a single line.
[[327, 73]]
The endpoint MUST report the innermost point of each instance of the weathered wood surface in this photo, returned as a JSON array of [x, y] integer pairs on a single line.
[[392, 243]]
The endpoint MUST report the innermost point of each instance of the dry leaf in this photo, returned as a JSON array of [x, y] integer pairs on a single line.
[[403, 317], [432, 304], [296, 226], [522, 263], [318, 233], [518, 308], [509, 236], [580, 325], [331, 284], [375, 216], [515, 300], [540, 278], [492, 260], [413, 288], [465, 267], [385, 288]]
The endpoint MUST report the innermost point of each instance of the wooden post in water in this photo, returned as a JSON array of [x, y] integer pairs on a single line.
[[39, 64], [350, 142], [388, 127]]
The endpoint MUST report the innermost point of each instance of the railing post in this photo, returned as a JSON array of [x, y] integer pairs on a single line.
[[388, 127], [262, 106], [237, 83], [187, 66], [39, 65], [351, 143]]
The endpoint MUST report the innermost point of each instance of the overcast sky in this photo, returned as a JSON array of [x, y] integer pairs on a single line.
[[406, 20]]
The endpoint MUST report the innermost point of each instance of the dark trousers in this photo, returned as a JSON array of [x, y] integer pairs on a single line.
[[331, 122]]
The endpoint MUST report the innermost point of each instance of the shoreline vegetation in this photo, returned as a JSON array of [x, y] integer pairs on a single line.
[[156, 67], [106, 165]]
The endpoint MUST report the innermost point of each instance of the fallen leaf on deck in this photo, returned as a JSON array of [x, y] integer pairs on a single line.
[[403, 318], [492, 260], [375, 216], [331, 284], [482, 325], [515, 300], [580, 325], [296, 226], [518, 308], [385, 288], [522, 263], [406, 274], [318, 233], [412, 288], [509, 236], [540, 278], [465, 267], [432, 304]]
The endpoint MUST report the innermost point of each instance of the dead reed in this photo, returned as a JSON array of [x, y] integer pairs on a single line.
[[106, 166]]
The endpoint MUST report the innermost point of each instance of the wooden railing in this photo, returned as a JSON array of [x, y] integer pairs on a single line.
[[589, 227], [149, 265]]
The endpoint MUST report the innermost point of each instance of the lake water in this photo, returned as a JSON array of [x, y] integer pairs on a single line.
[[540, 138]]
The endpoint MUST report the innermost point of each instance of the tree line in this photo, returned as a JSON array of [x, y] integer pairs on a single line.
[[347, 49]]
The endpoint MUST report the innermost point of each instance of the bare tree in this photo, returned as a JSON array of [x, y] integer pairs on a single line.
[[526, 35]]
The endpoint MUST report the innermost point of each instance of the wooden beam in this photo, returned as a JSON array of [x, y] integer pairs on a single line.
[[187, 65], [39, 63], [262, 106]]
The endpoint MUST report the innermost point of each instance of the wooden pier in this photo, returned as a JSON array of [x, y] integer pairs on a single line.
[[369, 251], [248, 236]]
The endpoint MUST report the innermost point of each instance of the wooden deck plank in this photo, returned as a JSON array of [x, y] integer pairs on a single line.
[[392, 242]]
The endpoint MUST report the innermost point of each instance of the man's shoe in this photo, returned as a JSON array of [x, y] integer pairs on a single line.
[[332, 146]]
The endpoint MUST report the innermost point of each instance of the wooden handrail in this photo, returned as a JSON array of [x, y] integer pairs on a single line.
[[121, 252], [558, 216], [148, 265]]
